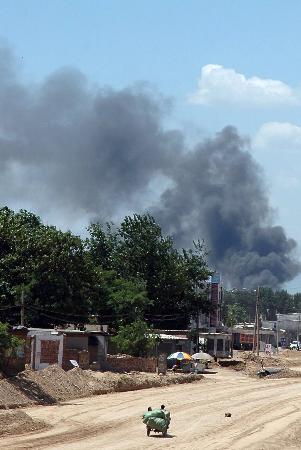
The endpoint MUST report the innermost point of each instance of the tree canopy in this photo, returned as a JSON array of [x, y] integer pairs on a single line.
[[118, 274], [271, 302]]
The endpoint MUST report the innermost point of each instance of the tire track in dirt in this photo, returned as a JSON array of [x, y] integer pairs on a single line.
[[114, 420]]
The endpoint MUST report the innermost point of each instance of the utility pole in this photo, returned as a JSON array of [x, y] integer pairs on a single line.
[[198, 331], [197, 321], [257, 319], [22, 311], [256, 325]]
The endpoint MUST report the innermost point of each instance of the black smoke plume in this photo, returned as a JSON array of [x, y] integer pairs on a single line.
[[72, 152], [218, 193]]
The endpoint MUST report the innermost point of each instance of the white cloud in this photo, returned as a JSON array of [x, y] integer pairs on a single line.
[[219, 85], [277, 147], [282, 137]]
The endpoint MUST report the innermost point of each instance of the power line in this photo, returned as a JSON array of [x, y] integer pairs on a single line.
[[5, 308]]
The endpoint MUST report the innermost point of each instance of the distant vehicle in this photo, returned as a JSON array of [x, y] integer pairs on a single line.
[[295, 345]]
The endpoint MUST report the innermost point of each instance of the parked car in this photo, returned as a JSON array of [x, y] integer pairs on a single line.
[[295, 345]]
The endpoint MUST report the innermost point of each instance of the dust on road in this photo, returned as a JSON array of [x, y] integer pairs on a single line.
[[265, 415]]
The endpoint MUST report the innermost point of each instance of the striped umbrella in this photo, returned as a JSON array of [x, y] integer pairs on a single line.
[[180, 356]]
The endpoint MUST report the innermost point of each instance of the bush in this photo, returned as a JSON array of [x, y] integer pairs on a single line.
[[135, 339], [9, 345]]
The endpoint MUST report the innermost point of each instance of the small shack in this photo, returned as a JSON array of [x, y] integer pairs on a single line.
[[216, 344], [171, 341], [60, 346]]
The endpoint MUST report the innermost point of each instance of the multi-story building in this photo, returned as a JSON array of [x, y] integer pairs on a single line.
[[212, 336], [213, 320]]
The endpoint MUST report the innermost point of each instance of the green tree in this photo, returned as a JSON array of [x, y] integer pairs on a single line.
[[271, 302], [235, 314], [102, 245], [121, 301], [138, 250], [9, 346], [51, 267], [197, 273], [135, 339]]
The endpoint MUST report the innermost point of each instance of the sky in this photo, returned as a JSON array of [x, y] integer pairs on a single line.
[[215, 63]]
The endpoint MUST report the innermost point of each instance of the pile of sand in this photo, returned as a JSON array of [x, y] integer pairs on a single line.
[[18, 422], [115, 382], [53, 384], [11, 396], [252, 364]]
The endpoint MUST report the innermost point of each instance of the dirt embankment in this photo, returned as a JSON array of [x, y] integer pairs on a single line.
[[286, 361], [53, 384], [18, 422]]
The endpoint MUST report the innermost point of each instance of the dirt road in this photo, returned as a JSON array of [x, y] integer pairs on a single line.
[[266, 414]]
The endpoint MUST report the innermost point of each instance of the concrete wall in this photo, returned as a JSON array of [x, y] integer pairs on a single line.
[[79, 342], [46, 349], [173, 346]]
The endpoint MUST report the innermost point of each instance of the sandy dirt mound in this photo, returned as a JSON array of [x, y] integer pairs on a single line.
[[18, 422], [11, 396], [114, 382], [53, 384], [251, 364]]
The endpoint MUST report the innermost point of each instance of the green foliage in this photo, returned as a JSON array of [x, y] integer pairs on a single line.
[[124, 300], [119, 274], [271, 302], [8, 344], [138, 251], [50, 266], [135, 339], [102, 245], [235, 314]]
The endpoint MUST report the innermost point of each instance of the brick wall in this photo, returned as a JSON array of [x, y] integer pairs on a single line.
[[69, 353], [49, 352], [130, 363]]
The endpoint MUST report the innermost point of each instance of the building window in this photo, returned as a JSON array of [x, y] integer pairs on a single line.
[[92, 340], [220, 345], [210, 344]]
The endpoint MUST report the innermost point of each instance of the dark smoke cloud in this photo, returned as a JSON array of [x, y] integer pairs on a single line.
[[219, 194], [72, 152]]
